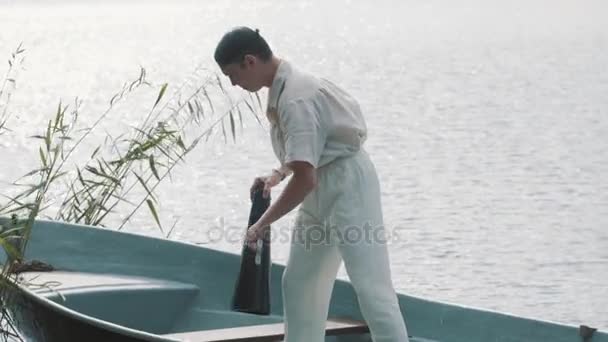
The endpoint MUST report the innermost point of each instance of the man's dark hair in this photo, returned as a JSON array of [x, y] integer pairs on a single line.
[[239, 42]]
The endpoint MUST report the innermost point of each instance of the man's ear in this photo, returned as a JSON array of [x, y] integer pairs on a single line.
[[249, 60]]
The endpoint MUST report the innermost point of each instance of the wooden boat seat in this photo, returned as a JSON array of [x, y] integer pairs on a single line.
[[266, 332]]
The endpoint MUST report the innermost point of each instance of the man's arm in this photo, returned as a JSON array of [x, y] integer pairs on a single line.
[[284, 170], [303, 181]]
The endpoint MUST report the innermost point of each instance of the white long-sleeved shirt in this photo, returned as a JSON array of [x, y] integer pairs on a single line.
[[312, 119]]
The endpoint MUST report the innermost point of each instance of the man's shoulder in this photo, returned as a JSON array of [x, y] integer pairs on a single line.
[[300, 86]]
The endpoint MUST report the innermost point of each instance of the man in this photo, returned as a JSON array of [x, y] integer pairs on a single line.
[[317, 133]]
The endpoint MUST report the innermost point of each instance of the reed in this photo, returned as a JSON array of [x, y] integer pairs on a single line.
[[15, 63], [122, 172]]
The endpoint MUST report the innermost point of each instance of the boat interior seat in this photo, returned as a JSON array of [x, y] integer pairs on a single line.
[[140, 303], [266, 332], [337, 330]]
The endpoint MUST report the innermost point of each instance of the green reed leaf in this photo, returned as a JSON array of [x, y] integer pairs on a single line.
[[161, 93]]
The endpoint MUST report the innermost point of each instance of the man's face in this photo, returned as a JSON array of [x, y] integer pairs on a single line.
[[244, 74]]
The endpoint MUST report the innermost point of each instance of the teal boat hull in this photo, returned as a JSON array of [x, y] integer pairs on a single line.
[[138, 288]]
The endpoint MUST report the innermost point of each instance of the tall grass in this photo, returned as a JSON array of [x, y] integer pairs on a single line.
[[9, 82], [121, 173], [8, 237]]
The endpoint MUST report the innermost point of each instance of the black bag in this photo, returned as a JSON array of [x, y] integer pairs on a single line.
[[252, 290]]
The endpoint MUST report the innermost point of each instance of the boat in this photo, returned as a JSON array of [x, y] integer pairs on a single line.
[[97, 284]]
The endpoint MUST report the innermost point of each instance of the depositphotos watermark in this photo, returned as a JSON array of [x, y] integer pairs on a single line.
[[308, 235]]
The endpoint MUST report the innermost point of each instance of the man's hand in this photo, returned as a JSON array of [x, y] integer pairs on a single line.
[[302, 182], [254, 233], [267, 182]]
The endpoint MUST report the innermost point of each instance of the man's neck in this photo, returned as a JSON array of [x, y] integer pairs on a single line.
[[271, 72]]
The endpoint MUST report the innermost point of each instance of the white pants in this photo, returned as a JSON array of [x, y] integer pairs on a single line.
[[341, 220]]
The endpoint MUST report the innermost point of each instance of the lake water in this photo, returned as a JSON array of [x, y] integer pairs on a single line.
[[488, 123]]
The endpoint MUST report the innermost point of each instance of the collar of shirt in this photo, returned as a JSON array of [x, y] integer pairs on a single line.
[[276, 89]]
